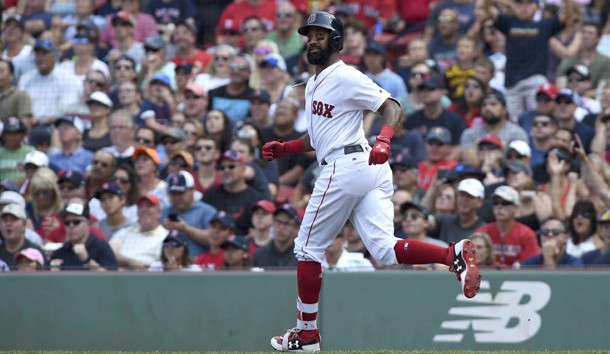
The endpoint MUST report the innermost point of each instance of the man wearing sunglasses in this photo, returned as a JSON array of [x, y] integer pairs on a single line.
[[82, 250], [184, 38], [234, 98], [553, 239], [513, 241], [285, 36]]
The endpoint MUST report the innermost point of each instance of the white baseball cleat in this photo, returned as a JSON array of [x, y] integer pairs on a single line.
[[464, 265], [296, 340]]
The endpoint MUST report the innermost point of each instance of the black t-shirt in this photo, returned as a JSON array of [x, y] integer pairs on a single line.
[[238, 205], [9, 257], [98, 250], [526, 46], [94, 144], [420, 123], [288, 161], [269, 256]]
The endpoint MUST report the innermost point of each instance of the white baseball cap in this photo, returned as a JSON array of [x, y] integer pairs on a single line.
[[13, 209], [12, 197], [37, 158], [520, 147], [508, 194], [100, 97], [473, 187]]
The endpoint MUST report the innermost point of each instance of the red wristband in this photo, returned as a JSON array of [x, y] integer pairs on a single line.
[[294, 146], [386, 130]]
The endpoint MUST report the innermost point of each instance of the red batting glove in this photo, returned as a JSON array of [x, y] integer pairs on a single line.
[[381, 150], [273, 150]]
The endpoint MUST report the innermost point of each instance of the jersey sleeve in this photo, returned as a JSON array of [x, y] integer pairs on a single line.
[[360, 92]]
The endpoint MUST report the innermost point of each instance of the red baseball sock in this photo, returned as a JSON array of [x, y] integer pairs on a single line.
[[309, 277], [419, 252]]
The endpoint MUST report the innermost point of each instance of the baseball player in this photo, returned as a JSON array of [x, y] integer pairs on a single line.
[[355, 182]]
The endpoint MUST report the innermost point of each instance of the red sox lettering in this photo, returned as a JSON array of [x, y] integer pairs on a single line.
[[322, 109]]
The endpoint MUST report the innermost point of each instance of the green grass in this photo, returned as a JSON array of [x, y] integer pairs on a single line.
[[344, 352]]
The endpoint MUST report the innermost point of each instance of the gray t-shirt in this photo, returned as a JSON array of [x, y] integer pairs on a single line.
[[509, 132], [448, 228], [108, 230]]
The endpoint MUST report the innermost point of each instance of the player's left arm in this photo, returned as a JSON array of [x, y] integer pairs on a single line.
[[391, 111]]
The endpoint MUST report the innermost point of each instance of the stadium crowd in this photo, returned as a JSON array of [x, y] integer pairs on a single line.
[[131, 131]]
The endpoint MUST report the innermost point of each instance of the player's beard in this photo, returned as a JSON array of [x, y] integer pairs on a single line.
[[321, 57], [491, 119]]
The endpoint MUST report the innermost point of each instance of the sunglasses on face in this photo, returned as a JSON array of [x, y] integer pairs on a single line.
[[192, 97], [121, 180], [204, 147], [542, 123], [170, 142], [514, 155], [80, 40], [411, 216], [576, 79], [143, 140], [583, 214], [172, 243], [446, 19], [221, 58], [239, 67], [225, 167], [95, 83], [69, 223], [284, 14], [151, 50], [252, 29], [415, 74], [261, 51], [502, 202], [551, 232]]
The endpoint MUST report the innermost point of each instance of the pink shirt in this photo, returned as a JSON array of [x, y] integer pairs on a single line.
[[144, 28]]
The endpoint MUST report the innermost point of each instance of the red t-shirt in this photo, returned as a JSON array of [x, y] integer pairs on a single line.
[[58, 234], [414, 10], [202, 189], [518, 244], [201, 59], [235, 13], [368, 11], [426, 174], [211, 261]]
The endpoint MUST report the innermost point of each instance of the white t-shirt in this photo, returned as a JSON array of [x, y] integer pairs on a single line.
[[350, 262]]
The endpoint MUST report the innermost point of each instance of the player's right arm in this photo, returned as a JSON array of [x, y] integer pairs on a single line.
[[277, 148]]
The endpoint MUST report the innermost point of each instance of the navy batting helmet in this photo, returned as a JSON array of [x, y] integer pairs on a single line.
[[330, 22]]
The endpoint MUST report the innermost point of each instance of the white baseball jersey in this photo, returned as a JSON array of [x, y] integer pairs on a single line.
[[334, 103]]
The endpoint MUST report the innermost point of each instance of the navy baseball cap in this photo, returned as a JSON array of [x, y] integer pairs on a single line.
[[173, 241], [495, 95], [291, 211], [70, 175], [410, 205], [432, 81], [236, 241], [440, 134], [466, 170], [45, 45], [108, 188], [375, 47], [260, 95], [403, 163], [180, 181], [232, 156], [14, 125], [225, 219]]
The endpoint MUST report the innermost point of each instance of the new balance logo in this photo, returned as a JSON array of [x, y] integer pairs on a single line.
[[509, 317]]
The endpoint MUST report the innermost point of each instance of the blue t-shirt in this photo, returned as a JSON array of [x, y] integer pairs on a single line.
[[565, 261], [46, 17], [77, 161], [199, 215], [236, 108], [162, 113], [173, 11], [527, 52], [443, 54]]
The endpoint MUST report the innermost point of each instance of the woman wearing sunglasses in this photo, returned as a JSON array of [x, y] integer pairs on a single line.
[[126, 179], [174, 257], [217, 73]]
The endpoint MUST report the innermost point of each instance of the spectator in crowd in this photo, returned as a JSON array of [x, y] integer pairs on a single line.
[[83, 13], [526, 69], [566, 43], [353, 241], [146, 163], [338, 259], [157, 108], [494, 51], [217, 125], [274, 77], [434, 115], [36, 17], [42, 82], [234, 195], [278, 253], [452, 227], [174, 257], [543, 129], [15, 48], [145, 137], [260, 104], [545, 103], [125, 44], [234, 98], [469, 105], [291, 166], [222, 226], [124, 69], [490, 150], [588, 55], [46, 199], [195, 102], [262, 48], [565, 113], [29, 260], [144, 25], [217, 73], [32, 162], [438, 150], [582, 228], [156, 61], [285, 35], [168, 12], [126, 178], [456, 75], [12, 228], [93, 81], [120, 125], [173, 140], [130, 99], [255, 175], [375, 67], [495, 120], [102, 166], [261, 231], [181, 160], [82, 250], [253, 30], [513, 241], [442, 47], [356, 34], [236, 254], [417, 52], [190, 217], [98, 135], [13, 150], [185, 36], [579, 81], [15, 102], [112, 200], [206, 176], [600, 255], [84, 52], [71, 155], [464, 15], [484, 247], [236, 13], [140, 246], [553, 239], [193, 130], [536, 206]]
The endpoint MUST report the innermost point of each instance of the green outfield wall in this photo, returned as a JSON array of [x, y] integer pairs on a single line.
[[397, 310]]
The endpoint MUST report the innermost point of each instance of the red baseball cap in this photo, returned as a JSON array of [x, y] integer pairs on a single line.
[[150, 198], [266, 205], [492, 139], [548, 90], [232, 156]]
